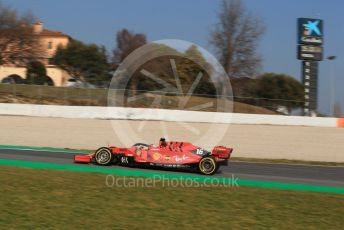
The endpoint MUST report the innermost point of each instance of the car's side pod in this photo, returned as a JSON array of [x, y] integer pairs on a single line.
[[222, 152]]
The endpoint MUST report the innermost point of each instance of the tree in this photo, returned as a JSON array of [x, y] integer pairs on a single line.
[[189, 69], [188, 65], [36, 74], [195, 54], [278, 90], [87, 62], [18, 42], [236, 38], [127, 42]]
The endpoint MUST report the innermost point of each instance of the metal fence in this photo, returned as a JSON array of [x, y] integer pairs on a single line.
[[38, 94]]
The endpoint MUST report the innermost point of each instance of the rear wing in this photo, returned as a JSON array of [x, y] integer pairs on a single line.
[[222, 152]]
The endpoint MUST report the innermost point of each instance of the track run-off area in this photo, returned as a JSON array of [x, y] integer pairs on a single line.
[[281, 176]]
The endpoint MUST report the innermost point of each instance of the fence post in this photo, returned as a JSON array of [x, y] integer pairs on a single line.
[[14, 90], [88, 96], [39, 94]]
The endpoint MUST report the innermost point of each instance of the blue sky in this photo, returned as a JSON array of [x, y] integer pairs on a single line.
[[98, 21]]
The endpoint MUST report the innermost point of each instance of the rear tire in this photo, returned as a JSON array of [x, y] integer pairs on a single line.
[[103, 156], [208, 166]]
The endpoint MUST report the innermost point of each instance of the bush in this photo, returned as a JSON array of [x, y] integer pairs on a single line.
[[36, 74]]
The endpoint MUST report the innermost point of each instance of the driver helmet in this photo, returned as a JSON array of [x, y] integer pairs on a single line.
[[163, 142]]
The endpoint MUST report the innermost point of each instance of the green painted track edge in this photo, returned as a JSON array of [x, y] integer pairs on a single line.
[[46, 149], [159, 175]]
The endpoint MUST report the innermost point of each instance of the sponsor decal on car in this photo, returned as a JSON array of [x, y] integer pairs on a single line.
[[124, 160], [156, 156], [167, 158], [170, 165], [183, 158]]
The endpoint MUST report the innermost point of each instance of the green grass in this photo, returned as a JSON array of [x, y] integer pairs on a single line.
[[44, 199]]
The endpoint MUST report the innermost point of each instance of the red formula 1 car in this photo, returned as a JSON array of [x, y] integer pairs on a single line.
[[169, 154]]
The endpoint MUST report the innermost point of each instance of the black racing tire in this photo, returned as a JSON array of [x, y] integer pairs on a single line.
[[103, 156], [208, 166]]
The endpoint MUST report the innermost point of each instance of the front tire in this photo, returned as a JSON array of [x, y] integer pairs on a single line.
[[208, 166], [103, 156]]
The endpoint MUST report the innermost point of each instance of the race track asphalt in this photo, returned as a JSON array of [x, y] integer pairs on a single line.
[[289, 173]]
